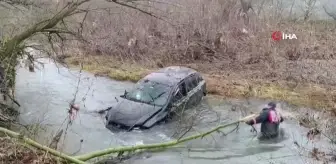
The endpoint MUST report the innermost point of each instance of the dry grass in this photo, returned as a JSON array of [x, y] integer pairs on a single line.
[[311, 95], [237, 56], [11, 152], [106, 66], [306, 95]]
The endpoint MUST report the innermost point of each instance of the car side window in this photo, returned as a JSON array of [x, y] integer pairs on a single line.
[[192, 82], [200, 78], [195, 80], [180, 92]]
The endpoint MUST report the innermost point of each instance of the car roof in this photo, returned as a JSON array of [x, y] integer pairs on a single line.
[[171, 75]]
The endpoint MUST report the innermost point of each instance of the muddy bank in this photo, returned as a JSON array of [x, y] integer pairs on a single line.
[[53, 88]]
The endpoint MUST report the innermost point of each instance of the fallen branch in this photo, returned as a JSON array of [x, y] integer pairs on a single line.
[[104, 110], [39, 146], [54, 142], [99, 153], [81, 158], [16, 102]]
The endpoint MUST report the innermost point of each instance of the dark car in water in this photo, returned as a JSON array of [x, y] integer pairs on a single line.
[[156, 97]]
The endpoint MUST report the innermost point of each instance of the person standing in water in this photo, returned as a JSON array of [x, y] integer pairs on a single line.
[[270, 120]]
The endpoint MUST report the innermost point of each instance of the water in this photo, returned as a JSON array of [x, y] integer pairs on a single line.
[[45, 95]]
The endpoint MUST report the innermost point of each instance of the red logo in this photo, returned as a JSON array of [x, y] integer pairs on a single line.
[[277, 35]]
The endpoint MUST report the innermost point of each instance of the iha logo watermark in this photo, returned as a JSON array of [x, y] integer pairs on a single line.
[[278, 35]]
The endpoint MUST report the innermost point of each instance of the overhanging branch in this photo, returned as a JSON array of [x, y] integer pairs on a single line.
[[20, 2], [332, 15], [91, 155], [50, 23], [138, 9]]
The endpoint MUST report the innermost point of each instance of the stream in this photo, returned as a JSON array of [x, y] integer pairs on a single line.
[[45, 95]]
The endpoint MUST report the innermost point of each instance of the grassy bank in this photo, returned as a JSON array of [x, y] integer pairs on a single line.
[[234, 52], [302, 94]]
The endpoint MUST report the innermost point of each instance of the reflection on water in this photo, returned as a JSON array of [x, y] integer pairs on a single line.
[[45, 96]]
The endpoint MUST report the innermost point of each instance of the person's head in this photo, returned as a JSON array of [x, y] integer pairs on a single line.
[[265, 109], [271, 105]]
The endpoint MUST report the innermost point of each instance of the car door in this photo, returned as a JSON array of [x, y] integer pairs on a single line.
[[179, 99], [199, 89], [192, 89]]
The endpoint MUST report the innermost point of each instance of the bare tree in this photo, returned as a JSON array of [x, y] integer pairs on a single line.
[[278, 9], [14, 47], [329, 13], [55, 30], [309, 7], [291, 9], [261, 6], [246, 6]]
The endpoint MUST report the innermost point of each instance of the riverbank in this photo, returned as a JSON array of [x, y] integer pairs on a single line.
[[301, 94], [237, 63]]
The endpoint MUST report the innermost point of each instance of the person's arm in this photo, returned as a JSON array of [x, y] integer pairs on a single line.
[[263, 116], [281, 119]]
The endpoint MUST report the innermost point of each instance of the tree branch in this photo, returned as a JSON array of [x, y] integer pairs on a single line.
[[332, 15], [19, 2], [50, 23], [88, 156], [138, 9]]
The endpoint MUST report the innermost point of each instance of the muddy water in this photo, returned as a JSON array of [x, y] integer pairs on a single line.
[[45, 94]]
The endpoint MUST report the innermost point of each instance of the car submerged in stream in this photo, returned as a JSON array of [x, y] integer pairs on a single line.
[[156, 97]]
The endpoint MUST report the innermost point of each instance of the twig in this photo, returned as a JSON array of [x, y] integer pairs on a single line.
[[53, 144], [254, 129], [138, 9], [104, 110], [329, 13], [79, 149], [207, 47], [10, 97]]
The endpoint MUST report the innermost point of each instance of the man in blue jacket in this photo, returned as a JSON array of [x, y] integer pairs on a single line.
[[270, 120]]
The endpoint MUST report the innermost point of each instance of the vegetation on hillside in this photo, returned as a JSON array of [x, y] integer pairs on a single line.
[[228, 41]]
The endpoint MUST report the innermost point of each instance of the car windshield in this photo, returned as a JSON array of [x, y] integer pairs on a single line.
[[150, 93]]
